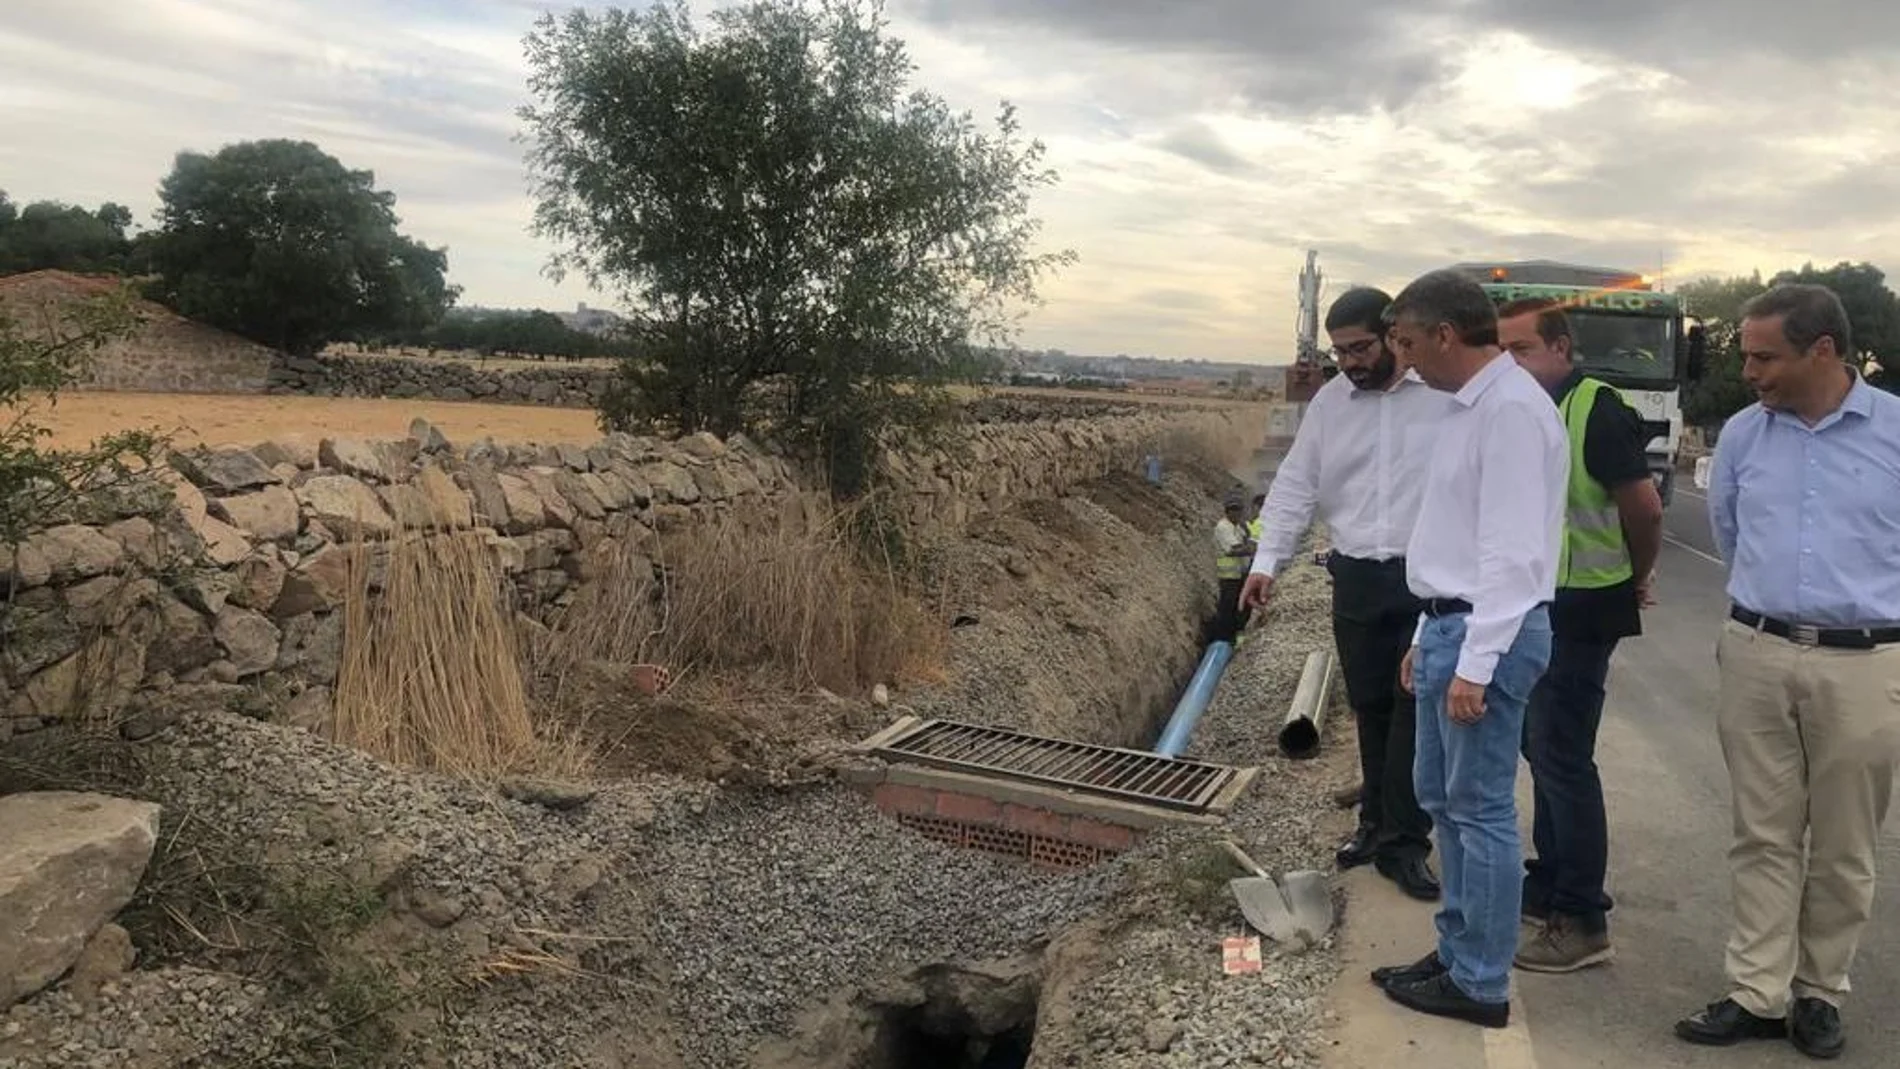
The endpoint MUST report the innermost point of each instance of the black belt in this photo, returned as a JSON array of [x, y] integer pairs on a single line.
[[1844, 638], [1444, 606]]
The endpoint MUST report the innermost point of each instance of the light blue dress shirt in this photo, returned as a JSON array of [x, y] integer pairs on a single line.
[[1808, 518]]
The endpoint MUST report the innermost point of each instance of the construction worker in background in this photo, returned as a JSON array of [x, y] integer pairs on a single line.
[[1613, 529], [1234, 546], [1255, 525], [1358, 463]]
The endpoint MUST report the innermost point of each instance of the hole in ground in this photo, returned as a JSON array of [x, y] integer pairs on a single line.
[[967, 1018]]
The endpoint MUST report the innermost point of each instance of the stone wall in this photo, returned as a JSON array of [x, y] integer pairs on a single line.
[[239, 572], [350, 375], [166, 354]]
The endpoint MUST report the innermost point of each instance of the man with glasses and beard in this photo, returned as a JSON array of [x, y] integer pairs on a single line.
[[1358, 464]]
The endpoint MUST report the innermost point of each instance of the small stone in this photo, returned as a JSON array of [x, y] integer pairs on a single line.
[[426, 437], [1159, 1036], [548, 793], [435, 909], [248, 638], [228, 470], [881, 696]]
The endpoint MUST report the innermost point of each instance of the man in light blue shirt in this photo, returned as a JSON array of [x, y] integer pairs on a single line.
[[1805, 500]]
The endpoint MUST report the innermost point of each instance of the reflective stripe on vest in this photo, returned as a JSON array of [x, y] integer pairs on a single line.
[[1594, 554], [1231, 567]]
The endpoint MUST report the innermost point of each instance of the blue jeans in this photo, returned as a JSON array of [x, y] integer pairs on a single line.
[[1568, 825], [1466, 777]]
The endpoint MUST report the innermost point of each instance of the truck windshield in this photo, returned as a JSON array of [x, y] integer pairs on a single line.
[[1624, 348]]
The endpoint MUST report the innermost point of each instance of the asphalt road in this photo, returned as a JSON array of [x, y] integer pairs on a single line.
[[1668, 806]]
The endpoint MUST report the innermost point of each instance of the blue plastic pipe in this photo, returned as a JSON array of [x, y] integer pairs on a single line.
[[1195, 699]]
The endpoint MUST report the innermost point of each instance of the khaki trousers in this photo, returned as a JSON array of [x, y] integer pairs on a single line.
[[1811, 737]]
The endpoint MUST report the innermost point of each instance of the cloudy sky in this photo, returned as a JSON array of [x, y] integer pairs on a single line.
[[1203, 145]]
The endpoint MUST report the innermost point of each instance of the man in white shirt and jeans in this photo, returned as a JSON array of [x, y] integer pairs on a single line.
[[1483, 560], [1358, 462]]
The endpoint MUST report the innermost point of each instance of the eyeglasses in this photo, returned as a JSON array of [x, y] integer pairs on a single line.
[[1357, 350]]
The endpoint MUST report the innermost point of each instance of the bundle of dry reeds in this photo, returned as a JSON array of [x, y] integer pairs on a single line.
[[431, 674]]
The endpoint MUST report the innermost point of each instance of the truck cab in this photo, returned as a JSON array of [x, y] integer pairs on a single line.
[[1625, 333]]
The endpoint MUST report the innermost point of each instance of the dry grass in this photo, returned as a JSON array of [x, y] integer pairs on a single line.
[[732, 597], [432, 674]]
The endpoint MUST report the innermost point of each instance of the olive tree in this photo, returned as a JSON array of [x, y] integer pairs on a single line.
[[814, 246]]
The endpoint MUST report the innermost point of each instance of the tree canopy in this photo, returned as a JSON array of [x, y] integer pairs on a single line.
[[815, 246], [279, 242], [1873, 313], [50, 235]]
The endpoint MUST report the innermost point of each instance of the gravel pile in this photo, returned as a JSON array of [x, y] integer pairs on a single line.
[[1163, 999], [142, 1019], [465, 873], [767, 906]]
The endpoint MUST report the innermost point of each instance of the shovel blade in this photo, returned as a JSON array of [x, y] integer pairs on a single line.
[[1264, 907]]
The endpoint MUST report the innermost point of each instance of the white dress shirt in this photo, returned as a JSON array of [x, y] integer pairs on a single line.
[[1489, 529], [1358, 461]]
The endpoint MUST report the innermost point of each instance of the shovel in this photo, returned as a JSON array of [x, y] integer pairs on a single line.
[[1304, 922]]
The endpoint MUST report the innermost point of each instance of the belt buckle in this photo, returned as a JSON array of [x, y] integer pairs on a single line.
[[1802, 635]]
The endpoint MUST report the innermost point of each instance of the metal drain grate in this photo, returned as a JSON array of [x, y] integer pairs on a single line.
[[1127, 775]]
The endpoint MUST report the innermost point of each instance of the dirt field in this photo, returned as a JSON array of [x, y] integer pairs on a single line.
[[78, 418]]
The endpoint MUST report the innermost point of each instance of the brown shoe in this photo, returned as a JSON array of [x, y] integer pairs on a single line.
[[1563, 946]]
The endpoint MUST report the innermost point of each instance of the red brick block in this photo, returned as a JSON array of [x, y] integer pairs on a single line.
[[1035, 821], [901, 798], [954, 805], [1096, 833]]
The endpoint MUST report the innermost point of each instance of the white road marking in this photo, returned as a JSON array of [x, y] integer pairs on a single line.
[[1510, 1047], [1686, 547]]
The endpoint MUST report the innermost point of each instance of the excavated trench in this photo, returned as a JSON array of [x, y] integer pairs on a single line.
[[1144, 653]]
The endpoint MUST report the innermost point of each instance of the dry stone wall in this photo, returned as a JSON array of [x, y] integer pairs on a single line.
[[239, 574], [350, 375]]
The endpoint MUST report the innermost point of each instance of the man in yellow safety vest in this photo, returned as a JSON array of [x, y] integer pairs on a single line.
[[1234, 546], [1605, 568]]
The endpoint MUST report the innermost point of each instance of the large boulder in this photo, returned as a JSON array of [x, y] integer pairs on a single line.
[[68, 863]]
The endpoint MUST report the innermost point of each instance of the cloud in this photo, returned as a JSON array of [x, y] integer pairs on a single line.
[[1203, 145]]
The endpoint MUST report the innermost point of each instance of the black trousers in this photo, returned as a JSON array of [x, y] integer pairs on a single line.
[[1568, 827], [1229, 618], [1374, 615]]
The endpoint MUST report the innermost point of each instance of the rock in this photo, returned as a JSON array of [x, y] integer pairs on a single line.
[[204, 589], [560, 511], [270, 514], [320, 582], [225, 545], [703, 446], [137, 536], [572, 457], [1159, 1036], [24, 566], [670, 483], [346, 507], [489, 503], [448, 505], [37, 631], [548, 793], [426, 437], [294, 450], [408, 505], [312, 710], [52, 845], [313, 647], [109, 600], [382, 865], [433, 908], [574, 490], [108, 955], [881, 696], [353, 456], [579, 880], [258, 580], [184, 643], [712, 484], [74, 551], [526, 510], [250, 640], [228, 470]]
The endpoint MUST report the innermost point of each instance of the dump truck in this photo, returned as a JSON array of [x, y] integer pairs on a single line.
[[1625, 332]]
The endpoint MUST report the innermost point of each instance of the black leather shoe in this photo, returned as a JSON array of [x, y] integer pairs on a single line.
[[1360, 849], [1817, 1029], [1440, 997], [1423, 969], [1413, 876], [1725, 1023]]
